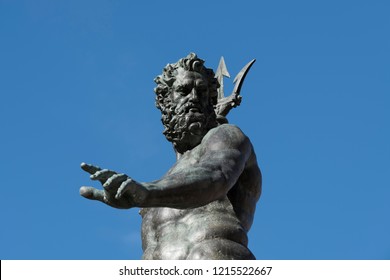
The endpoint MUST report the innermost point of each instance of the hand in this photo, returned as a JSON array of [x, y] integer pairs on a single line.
[[118, 189]]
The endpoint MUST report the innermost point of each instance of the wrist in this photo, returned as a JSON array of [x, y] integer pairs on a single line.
[[140, 194]]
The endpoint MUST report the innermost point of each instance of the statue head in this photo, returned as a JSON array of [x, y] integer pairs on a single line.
[[186, 94]]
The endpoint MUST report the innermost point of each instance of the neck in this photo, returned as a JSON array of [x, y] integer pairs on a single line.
[[178, 155], [188, 143]]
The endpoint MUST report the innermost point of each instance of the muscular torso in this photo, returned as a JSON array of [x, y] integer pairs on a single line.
[[217, 230]]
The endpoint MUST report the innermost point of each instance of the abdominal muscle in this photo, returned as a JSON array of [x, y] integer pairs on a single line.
[[209, 232]]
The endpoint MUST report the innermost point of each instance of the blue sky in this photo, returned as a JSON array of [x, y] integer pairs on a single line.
[[76, 83]]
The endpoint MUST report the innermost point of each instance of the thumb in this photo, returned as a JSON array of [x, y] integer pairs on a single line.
[[92, 193]]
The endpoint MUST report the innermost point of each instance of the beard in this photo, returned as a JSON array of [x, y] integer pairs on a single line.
[[186, 125]]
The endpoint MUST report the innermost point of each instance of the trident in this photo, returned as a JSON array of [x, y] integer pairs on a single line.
[[226, 103]]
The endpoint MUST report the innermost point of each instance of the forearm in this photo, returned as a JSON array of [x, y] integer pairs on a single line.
[[190, 189]]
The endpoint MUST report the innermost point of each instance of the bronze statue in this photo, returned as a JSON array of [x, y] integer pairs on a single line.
[[203, 207]]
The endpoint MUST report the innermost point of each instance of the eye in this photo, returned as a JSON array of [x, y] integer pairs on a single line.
[[202, 88], [184, 89]]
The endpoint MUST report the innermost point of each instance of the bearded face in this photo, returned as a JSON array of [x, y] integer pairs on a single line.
[[189, 114]]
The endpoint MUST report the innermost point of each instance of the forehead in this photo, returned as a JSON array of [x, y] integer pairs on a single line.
[[184, 76]]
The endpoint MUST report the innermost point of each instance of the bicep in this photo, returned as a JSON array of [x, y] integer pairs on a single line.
[[224, 165], [227, 149]]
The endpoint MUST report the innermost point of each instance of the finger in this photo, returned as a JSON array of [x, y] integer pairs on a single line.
[[91, 169], [115, 179], [92, 193], [124, 187], [102, 175]]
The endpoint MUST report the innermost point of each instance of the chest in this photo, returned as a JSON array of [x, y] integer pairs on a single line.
[[187, 160]]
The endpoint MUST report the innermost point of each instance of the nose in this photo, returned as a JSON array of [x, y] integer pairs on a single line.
[[194, 95]]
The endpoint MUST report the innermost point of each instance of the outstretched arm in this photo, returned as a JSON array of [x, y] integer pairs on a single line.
[[204, 174]]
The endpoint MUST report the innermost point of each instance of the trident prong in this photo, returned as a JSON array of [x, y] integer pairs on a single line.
[[221, 72], [239, 79]]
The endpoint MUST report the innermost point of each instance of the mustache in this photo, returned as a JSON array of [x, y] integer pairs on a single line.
[[183, 120], [188, 107]]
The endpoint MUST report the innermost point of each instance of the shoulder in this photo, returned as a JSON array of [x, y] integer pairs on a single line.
[[226, 136]]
